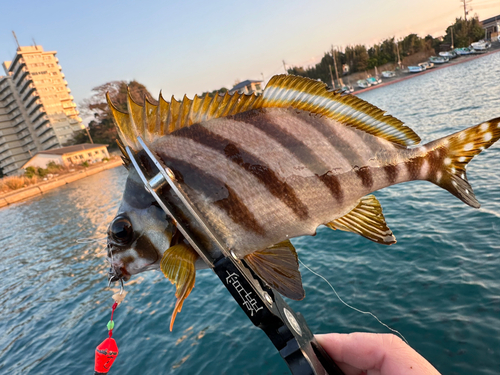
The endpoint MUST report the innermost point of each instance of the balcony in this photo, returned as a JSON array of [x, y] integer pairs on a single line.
[[43, 130], [7, 95], [42, 121], [47, 138], [31, 93]]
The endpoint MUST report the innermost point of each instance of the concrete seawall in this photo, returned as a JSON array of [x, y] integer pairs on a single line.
[[41, 188]]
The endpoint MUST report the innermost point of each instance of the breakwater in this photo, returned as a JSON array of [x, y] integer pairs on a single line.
[[43, 187]]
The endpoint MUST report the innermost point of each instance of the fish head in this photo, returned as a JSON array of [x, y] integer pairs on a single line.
[[139, 234]]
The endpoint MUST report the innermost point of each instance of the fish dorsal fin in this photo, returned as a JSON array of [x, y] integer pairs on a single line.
[[178, 265], [367, 220], [278, 266], [313, 96], [282, 91]]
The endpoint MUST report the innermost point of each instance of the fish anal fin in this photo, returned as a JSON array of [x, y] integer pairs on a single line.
[[367, 220], [178, 265], [278, 266]]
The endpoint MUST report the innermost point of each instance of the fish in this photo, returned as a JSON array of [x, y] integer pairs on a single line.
[[262, 169]]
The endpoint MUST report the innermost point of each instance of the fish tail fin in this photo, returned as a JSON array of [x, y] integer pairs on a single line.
[[448, 158]]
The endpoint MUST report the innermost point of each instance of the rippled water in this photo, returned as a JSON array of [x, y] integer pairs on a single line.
[[439, 285]]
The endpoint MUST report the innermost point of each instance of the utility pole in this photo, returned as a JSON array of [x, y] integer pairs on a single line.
[[284, 67], [452, 37], [331, 76], [88, 133], [397, 50], [335, 65], [465, 9]]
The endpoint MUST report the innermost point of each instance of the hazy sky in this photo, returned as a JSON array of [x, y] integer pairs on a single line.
[[194, 46]]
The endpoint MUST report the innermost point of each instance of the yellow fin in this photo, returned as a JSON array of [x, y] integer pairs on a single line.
[[177, 264], [313, 96], [367, 220], [278, 266], [282, 91]]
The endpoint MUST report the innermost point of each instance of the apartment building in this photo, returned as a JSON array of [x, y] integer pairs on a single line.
[[37, 112]]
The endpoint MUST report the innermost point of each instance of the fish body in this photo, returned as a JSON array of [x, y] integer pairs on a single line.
[[263, 169]]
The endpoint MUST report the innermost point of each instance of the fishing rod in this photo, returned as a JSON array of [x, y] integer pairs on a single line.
[[287, 329]]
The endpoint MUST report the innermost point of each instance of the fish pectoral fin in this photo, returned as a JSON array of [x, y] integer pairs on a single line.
[[278, 266], [178, 265], [367, 220]]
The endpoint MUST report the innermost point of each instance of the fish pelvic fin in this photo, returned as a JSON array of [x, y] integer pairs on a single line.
[[367, 220], [178, 265], [448, 158], [278, 267]]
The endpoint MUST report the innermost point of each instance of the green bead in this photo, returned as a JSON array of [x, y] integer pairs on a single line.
[[111, 325]]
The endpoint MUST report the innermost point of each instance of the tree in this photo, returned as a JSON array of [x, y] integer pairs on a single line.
[[464, 32], [101, 128]]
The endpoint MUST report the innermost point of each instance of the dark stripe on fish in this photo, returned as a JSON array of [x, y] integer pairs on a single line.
[[365, 174], [391, 172], [146, 249], [301, 151], [333, 184], [436, 159], [215, 190], [249, 163], [414, 167]]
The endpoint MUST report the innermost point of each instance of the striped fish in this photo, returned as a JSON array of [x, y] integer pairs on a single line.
[[264, 169]]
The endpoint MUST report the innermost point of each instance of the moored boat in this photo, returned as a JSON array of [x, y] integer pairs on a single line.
[[438, 59], [363, 83], [388, 73], [416, 69]]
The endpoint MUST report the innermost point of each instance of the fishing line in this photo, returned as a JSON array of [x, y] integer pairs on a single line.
[[354, 308]]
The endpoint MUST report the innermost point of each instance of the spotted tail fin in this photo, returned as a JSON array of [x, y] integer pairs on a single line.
[[449, 157]]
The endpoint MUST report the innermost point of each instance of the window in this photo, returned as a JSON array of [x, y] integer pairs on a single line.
[[81, 156], [68, 160], [96, 152], [103, 152], [89, 154]]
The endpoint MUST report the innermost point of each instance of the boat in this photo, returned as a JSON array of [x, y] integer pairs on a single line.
[[427, 65], [347, 89], [363, 83], [463, 51], [388, 73], [438, 59], [449, 54], [374, 81], [416, 69], [480, 46]]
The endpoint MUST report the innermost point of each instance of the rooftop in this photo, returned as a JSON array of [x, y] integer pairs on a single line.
[[244, 83], [70, 149]]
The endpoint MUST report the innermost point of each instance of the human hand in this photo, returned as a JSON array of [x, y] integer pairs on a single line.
[[374, 354]]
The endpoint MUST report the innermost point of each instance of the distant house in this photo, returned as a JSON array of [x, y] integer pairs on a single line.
[[68, 156], [491, 28], [247, 87]]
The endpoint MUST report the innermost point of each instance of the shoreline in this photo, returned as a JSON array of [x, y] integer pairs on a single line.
[[45, 186], [456, 61]]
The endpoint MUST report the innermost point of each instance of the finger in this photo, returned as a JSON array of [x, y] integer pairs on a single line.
[[384, 352]]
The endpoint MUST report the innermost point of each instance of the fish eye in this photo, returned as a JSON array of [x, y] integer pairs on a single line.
[[121, 230]]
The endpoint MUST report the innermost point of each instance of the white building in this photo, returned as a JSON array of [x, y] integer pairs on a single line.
[[36, 110], [68, 156]]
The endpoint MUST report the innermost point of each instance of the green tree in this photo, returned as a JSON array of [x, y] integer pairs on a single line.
[[101, 128], [464, 32]]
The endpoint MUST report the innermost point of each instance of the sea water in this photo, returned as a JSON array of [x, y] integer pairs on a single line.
[[439, 285]]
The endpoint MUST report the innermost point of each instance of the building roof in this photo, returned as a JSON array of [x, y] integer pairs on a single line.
[[243, 84], [70, 149], [490, 20]]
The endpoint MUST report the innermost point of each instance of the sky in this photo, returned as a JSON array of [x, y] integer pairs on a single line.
[[188, 47]]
